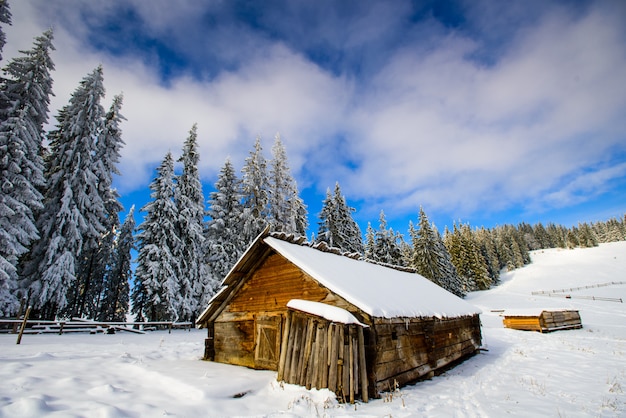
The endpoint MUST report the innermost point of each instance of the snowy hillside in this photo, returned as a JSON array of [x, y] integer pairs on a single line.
[[562, 374]]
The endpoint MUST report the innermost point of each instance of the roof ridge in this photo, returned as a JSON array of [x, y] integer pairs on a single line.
[[324, 247]]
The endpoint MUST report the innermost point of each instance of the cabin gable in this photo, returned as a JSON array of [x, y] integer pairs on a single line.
[[248, 330]]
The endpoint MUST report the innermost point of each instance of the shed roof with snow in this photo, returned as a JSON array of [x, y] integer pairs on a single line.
[[377, 290]]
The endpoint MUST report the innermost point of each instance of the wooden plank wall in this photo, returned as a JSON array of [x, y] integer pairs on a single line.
[[547, 321], [558, 320], [322, 354], [413, 348], [274, 284]]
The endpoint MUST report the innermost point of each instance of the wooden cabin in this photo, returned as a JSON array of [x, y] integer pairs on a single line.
[[328, 320], [542, 320]]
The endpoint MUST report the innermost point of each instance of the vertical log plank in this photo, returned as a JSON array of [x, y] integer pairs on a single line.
[[306, 353], [324, 359], [362, 366], [283, 348], [351, 362], [332, 358], [295, 357]]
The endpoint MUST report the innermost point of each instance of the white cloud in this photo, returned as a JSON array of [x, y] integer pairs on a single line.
[[443, 130], [435, 126]]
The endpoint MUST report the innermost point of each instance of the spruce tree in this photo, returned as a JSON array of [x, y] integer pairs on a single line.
[[254, 189], [370, 241], [425, 259], [387, 248], [5, 17], [98, 262], [336, 226], [156, 291], [430, 257], [26, 94], [116, 283], [450, 279], [287, 211], [189, 200], [71, 222], [224, 234]]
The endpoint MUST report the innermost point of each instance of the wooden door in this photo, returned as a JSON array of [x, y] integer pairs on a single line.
[[267, 342]]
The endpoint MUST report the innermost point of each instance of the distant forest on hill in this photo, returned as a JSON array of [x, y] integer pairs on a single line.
[[65, 252]]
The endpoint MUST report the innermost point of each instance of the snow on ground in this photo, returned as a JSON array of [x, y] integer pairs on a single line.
[[575, 373]]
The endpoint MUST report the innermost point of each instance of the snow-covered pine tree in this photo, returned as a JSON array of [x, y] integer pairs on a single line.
[[542, 236], [5, 17], [387, 248], [254, 190], [336, 225], [460, 257], [474, 265], [107, 157], [370, 242], [425, 259], [487, 247], [71, 222], [327, 226], [431, 258], [155, 293], [189, 198], [224, 234], [26, 92], [287, 212], [300, 220], [450, 279], [586, 237], [116, 283]]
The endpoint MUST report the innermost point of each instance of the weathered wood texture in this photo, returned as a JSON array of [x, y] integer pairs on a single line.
[[547, 321], [274, 284], [240, 336], [324, 354], [412, 348]]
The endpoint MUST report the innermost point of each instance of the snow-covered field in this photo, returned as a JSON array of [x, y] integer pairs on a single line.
[[575, 373]]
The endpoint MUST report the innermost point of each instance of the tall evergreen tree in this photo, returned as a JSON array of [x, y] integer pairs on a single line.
[[336, 225], [71, 222], [450, 279], [254, 189], [430, 257], [224, 234], [156, 291], [387, 248], [487, 247], [26, 93], [287, 212], [189, 200], [425, 259], [116, 283], [96, 263], [5, 17], [370, 242]]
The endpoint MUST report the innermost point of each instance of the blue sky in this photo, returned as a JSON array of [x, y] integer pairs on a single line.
[[486, 112]]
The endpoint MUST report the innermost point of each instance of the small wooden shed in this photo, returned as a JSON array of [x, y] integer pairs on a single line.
[[542, 320], [327, 320]]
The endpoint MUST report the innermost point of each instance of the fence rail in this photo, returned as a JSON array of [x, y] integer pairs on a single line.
[[40, 326], [565, 293], [573, 289]]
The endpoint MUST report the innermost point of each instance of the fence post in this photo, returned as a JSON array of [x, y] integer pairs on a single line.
[[19, 337]]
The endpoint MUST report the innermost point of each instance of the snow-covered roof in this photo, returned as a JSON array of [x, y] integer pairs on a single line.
[[377, 290], [531, 311], [332, 313]]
